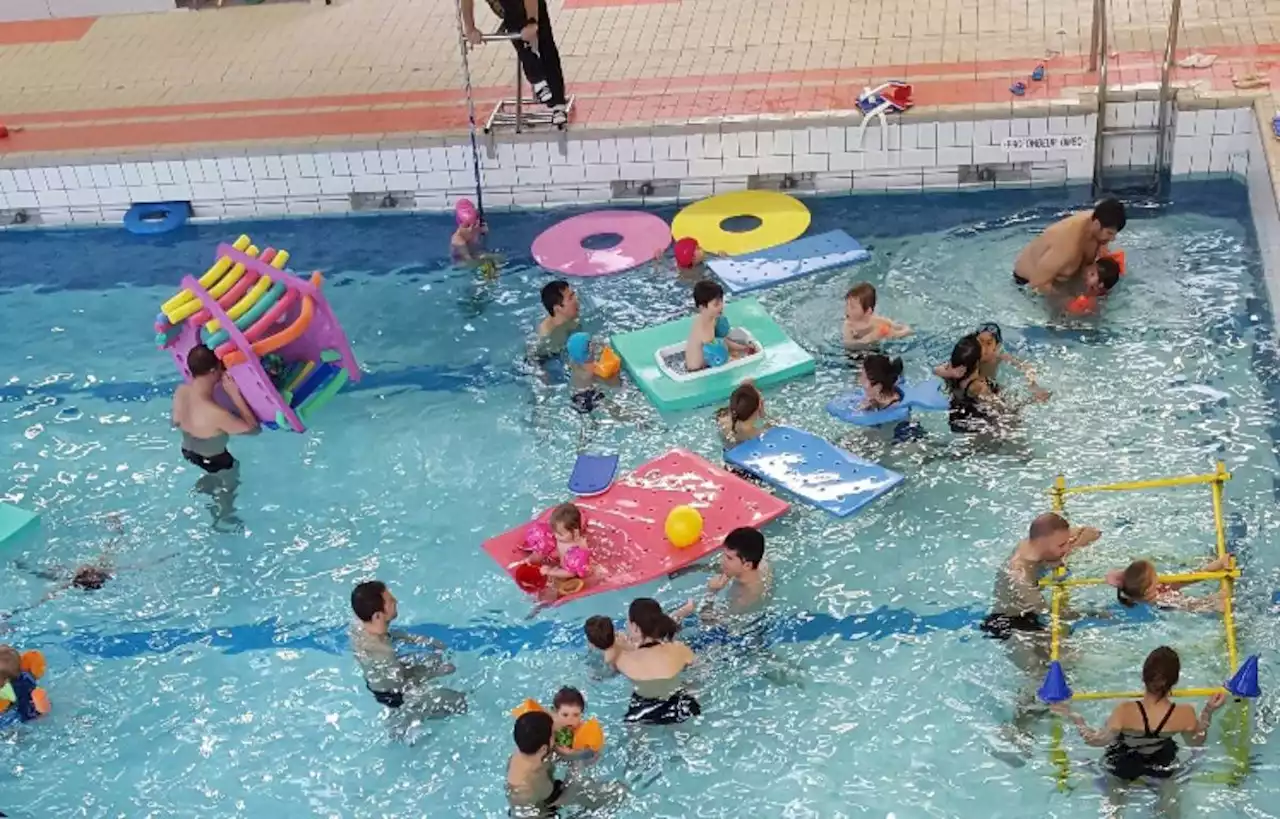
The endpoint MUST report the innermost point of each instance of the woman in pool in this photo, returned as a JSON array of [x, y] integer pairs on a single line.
[[1140, 736], [655, 667], [973, 395], [1138, 583], [743, 420]]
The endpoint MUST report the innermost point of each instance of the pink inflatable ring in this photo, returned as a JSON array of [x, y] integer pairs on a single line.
[[560, 247]]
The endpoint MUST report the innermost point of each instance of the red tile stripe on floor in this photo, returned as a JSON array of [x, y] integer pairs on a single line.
[[67, 30]]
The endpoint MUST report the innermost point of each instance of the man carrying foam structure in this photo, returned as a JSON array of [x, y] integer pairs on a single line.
[[402, 685]]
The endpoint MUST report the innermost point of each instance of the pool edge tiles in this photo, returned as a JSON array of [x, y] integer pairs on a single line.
[[782, 359]]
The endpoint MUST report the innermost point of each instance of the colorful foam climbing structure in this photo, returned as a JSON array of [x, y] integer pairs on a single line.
[[273, 330]]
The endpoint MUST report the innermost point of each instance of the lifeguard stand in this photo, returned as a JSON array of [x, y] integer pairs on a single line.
[[1243, 678]]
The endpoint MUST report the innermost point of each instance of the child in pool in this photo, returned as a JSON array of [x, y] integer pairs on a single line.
[[1097, 281], [743, 419], [602, 636], [991, 340], [1138, 583], [572, 557], [689, 258], [566, 716], [861, 324], [711, 342], [584, 377], [880, 376], [466, 245]]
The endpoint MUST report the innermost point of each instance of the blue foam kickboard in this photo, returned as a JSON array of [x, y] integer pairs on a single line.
[[810, 254], [593, 474], [813, 469], [924, 395]]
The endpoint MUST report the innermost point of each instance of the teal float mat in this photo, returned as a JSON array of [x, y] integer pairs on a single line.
[[16, 525], [648, 355]]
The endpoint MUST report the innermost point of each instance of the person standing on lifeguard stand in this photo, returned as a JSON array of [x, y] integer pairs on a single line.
[[536, 48]]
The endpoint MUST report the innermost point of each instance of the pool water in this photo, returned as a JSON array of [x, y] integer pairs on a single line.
[[211, 678]]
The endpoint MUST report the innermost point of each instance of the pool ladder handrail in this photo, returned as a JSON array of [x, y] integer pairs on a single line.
[[1098, 60]]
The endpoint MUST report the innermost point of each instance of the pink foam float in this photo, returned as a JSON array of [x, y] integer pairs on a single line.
[[625, 523], [559, 247]]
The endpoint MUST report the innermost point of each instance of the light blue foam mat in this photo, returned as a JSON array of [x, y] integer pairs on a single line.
[[593, 474], [925, 395], [810, 254], [813, 469]]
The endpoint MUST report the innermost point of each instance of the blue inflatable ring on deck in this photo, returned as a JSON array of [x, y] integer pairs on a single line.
[[156, 217]]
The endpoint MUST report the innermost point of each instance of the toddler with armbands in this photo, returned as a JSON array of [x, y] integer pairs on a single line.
[[712, 342], [587, 371], [560, 546], [21, 697], [861, 324]]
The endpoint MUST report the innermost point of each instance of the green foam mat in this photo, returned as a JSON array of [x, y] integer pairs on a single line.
[[781, 359], [16, 525]]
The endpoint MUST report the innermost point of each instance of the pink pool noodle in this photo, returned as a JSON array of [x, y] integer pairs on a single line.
[[229, 298], [325, 332], [259, 328]]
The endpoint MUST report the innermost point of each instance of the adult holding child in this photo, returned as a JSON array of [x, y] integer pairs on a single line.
[[656, 667]]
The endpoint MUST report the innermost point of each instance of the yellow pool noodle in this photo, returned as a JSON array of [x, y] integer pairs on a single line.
[[302, 376], [210, 276], [247, 301]]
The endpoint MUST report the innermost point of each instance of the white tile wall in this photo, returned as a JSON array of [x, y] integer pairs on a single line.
[[904, 156]]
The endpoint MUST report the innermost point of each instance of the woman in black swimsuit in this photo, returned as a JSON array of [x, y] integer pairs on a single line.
[[1140, 736], [972, 407], [655, 667]]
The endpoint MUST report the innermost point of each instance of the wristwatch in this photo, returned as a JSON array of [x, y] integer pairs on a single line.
[[532, 21]]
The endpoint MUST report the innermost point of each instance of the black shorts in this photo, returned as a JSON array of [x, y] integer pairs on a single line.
[[677, 708], [557, 791], [587, 400], [391, 699], [1018, 280], [1001, 626], [218, 463]]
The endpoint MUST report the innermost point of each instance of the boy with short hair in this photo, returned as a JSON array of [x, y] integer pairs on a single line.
[[566, 715], [1101, 276], [861, 324], [742, 564], [601, 635], [711, 343], [531, 778], [561, 303]]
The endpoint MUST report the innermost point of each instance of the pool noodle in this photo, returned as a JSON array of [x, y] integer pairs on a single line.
[[218, 340], [239, 307], [210, 276], [322, 396], [319, 377], [219, 288], [233, 295], [277, 311], [286, 336]]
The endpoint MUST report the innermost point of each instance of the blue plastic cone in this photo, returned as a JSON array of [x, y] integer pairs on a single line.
[[1055, 688], [1244, 683]]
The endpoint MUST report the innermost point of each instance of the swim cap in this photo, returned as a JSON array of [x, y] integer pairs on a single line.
[[578, 347], [686, 252], [466, 213]]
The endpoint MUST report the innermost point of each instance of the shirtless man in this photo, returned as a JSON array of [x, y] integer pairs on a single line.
[[399, 684], [204, 423], [1068, 247]]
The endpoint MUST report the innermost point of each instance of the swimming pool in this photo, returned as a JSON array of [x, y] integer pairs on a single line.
[[216, 683]]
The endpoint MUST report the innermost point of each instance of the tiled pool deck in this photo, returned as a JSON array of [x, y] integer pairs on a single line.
[[302, 108]]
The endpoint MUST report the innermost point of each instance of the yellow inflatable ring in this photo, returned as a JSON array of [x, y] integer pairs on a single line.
[[782, 219]]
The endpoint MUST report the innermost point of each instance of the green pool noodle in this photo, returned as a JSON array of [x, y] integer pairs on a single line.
[[330, 356], [321, 396]]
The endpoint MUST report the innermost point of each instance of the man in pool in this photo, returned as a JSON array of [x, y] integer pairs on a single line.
[[743, 571], [1068, 247], [402, 685], [561, 304], [1017, 601], [206, 426]]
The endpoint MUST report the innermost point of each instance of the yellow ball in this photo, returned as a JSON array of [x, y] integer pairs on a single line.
[[684, 526]]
